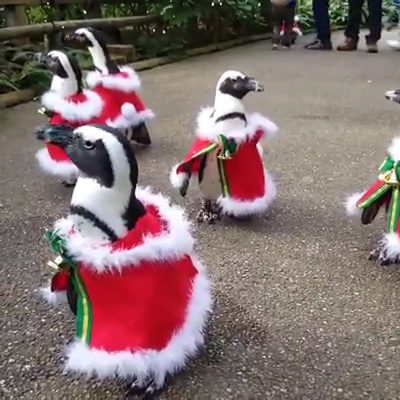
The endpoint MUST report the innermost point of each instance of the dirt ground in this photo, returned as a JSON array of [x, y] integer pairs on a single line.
[[300, 312]]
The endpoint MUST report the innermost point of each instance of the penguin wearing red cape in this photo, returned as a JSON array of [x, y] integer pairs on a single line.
[[65, 103], [127, 267], [117, 85], [226, 155], [384, 194]]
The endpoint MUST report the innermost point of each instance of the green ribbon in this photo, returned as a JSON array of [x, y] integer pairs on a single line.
[[59, 247], [390, 165], [228, 146]]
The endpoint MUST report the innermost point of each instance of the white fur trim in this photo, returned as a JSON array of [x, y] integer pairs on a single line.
[[391, 243], [296, 18], [170, 245], [53, 298], [209, 130], [64, 169], [240, 208], [394, 149], [74, 112], [351, 205], [176, 178], [143, 363], [125, 84], [297, 31], [260, 150], [130, 118]]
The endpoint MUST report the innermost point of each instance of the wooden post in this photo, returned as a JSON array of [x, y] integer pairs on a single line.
[[16, 16]]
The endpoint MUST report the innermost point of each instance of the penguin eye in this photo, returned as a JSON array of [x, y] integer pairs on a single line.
[[87, 144]]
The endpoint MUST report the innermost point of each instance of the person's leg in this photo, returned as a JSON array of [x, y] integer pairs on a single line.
[[322, 25], [374, 24], [277, 23], [353, 26], [354, 21], [289, 21], [317, 22]]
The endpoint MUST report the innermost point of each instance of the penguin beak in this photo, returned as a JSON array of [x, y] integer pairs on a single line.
[[77, 40], [393, 95], [253, 86], [60, 135]]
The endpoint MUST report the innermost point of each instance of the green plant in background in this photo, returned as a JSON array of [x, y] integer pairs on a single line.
[[187, 23]]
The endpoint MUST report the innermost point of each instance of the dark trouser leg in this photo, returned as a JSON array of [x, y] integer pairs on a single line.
[[289, 21], [353, 24], [277, 20], [375, 20], [321, 18]]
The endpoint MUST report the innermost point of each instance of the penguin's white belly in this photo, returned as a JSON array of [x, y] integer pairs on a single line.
[[210, 185]]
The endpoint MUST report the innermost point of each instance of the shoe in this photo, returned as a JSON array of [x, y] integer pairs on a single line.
[[274, 47], [349, 44], [372, 45], [311, 44], [318, 45]]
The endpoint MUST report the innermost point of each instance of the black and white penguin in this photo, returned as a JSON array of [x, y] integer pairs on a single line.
[[226, 149], [393, 95], [66, 103], [127, 112], [142, 295]]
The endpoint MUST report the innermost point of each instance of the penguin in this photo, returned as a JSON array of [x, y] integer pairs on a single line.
[[66, 103], [383, 195], [393, 95], [143, 297], [227, 156], [126, 111]]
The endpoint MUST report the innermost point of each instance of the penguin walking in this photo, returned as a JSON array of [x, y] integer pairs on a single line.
[[383, 194], [65, 103], [125, 110], [227, 156], [142, 296]]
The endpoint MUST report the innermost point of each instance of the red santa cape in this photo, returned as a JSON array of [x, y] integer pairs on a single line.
[[124, 108], [142, 301], [246, 186], [387, 188], [79, 109]]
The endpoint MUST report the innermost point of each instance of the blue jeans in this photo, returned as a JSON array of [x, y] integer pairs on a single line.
[[321, 20]]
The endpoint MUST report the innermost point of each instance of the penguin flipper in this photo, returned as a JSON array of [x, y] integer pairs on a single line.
[[369, 213], [141, 135], [39, 132], [184, 187]]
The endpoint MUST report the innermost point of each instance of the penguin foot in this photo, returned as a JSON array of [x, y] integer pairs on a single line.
[[146, 390], [380, 255], [209, 212], [69, 182]]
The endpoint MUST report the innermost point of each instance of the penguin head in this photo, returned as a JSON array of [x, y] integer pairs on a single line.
[[67, 75], [95, 42], [85, 38], [100, 152], [393, 95], [237, 84]]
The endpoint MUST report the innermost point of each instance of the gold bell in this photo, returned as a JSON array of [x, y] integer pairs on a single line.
[[58, 263], [391, 177]]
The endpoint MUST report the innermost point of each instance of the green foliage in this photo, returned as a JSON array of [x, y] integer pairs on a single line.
[[187, 23]]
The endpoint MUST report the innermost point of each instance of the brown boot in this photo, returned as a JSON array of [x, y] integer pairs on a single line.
[[349, 44], [372, 46]]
